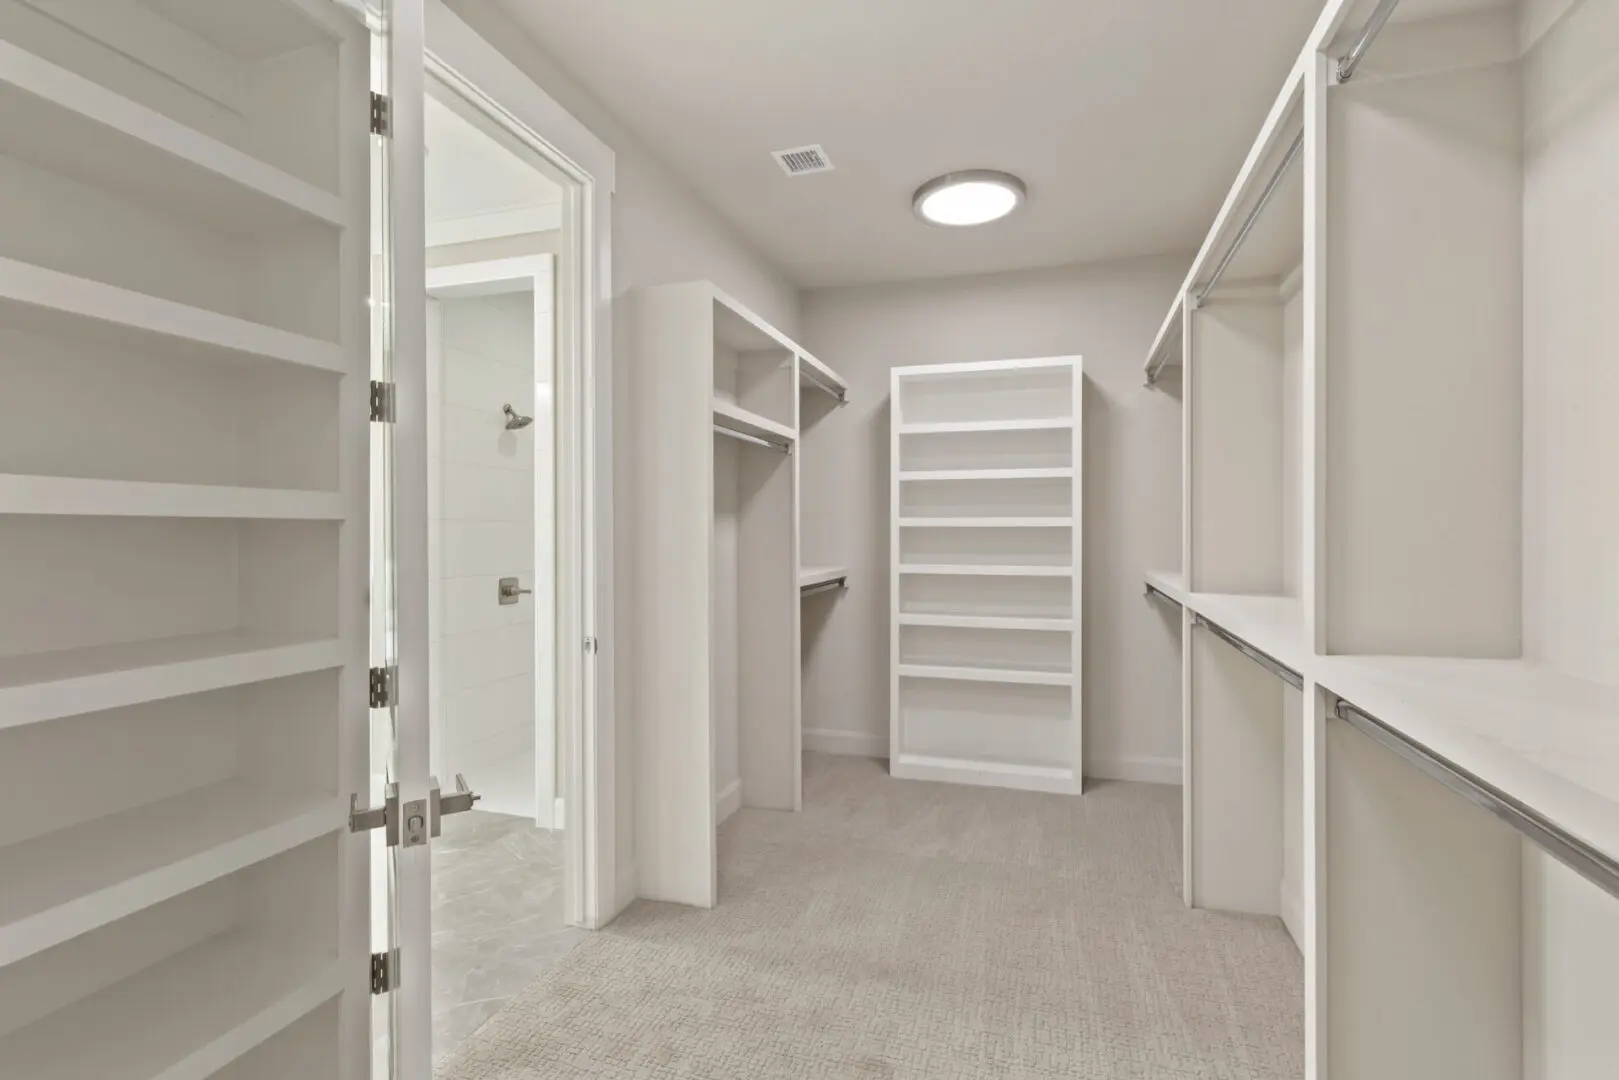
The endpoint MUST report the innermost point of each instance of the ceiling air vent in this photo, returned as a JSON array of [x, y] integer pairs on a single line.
[[801, 160]]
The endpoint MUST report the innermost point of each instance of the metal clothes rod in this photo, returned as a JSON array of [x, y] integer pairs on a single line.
[[1252, 219], [1270, 664], [1597, 868], [825, 586], [1154, 591], [841, 395], [1363, 42], [745, 437]]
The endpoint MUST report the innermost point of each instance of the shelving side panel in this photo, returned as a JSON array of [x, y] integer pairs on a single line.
[[767, 632], [1076, 535]]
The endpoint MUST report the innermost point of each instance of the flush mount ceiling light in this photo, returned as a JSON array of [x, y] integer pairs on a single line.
[[974, 197]]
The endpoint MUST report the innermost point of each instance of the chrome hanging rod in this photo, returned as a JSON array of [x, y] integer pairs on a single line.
[[1363, 41], [1155, 591], [824, 586], [841, 395], [1599, 869], [1252, 220], [745, 437], [1264, 660]]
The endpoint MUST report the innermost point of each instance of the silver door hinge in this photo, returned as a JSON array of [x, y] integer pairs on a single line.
[[384, 687], [590, 646], [385, 971], [381, 114], [382, 402]]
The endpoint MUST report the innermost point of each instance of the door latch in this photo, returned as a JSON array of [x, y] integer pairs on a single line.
[[385, 816], [458, 801]]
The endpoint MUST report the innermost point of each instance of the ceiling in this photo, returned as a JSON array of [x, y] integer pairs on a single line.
[[1127, 119], [478, 188]]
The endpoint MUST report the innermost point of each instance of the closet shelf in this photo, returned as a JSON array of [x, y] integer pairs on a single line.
[[70, 125], [70, 882], [65, 302], [1022, 676], [811, 576], [957, 427], [989, 622], [730, 415], [814, 375], [986, 522], [923, 475], [65, 495], [1024, 777], [993, 368], [1272, 624], [172, 1021], [981, 570], [48, 686]]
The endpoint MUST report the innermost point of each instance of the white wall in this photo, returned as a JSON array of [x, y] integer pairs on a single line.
[[663, 232], [1106, 312]]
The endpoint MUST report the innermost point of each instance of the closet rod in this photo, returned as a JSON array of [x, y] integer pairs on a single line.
[[1252, 220], [1286, 674], [1154, 591], [841, 395], [1599, 869], [745, 437], [824, 586], [1368, 34]]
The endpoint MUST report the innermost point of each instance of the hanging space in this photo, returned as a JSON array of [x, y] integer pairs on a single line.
[[986, 541], [1471, 806], [717, 650], [822, 583]]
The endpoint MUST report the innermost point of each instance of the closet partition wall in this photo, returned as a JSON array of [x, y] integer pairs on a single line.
[[1437, 458]]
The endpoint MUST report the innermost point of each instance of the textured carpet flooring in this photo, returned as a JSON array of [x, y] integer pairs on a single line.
[[922, 931]]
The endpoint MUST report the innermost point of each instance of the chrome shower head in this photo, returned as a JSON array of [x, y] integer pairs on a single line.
[[516, 421]]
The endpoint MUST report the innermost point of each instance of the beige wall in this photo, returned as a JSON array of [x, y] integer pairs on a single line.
[[1106, 312]]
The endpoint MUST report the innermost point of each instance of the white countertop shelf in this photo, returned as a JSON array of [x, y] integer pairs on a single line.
[[959, 673], [70, 882], [68, 495], [811, 576], [170, 1021], [728, 414], [70, 682]]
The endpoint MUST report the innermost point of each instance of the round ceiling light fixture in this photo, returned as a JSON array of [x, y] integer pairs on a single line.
[[973, 197]]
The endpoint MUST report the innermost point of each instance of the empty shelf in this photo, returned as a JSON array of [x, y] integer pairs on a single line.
[[980, 570], [811, 576], [65, 302], [1026, 777], [1171, 583], [986, 523], [63, 495], [70, 125], [1272, 624], [922, 475], [989, 622], [814, 375], [968, 426], [728, 414], [46, 686], [171, 1021], [1025, 676], [70, 882]]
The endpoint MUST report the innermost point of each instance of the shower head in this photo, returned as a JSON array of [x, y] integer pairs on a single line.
[[516, 421]]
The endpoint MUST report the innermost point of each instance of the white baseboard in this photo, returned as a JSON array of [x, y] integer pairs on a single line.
[[1141, 770], [848, 743], [728, 801], [1291, 902]]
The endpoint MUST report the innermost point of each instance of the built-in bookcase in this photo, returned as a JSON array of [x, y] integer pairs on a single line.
[[183, 417], [986, 542]]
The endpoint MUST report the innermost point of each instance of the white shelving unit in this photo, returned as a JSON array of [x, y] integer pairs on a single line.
[[718, 400], [1389, 502], [986, 550], [184, 348]]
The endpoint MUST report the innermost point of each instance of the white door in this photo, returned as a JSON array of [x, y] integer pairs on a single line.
[[184, 417]]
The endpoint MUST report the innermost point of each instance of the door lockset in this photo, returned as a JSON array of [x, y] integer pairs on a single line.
[[458, 801], [413, 823]]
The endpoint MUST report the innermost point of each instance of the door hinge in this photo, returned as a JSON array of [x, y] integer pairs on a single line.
[[590, 646], [385, 971], [382, 402], [384, 687], [381, 114]]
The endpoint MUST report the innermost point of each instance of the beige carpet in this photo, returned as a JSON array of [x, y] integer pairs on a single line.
[[927, 931]]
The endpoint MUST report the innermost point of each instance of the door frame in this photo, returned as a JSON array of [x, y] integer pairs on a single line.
[[458, 57]]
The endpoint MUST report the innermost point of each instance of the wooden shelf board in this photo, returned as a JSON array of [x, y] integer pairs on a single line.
[[1027, 777], [820, 371], [989, 622], [70, 682], [57, 302], [172, 1021], [810, 576], [986, 522], [72, 126], [66, 495], [1172, 583], [922, 372], [70, 882], [1272, 624], [983, 570], [940, 475], [1024, 677], [730, 415], [968, 426]]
